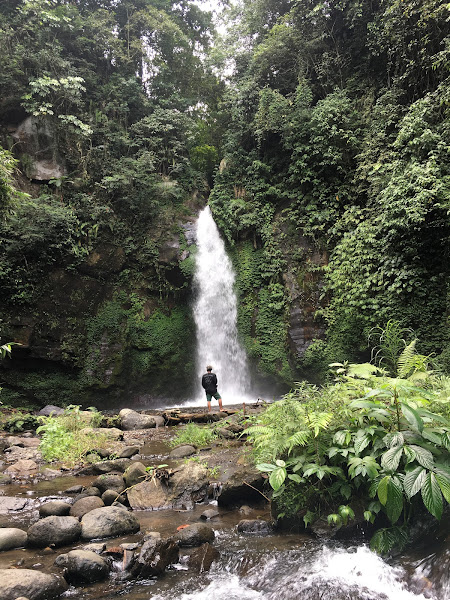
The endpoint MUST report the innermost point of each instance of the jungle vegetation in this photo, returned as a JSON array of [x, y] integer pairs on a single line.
[[319, 132]]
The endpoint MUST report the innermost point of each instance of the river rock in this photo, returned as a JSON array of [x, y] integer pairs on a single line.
[[57, 531], [92, 491], [130, 420], [134, 474], [210, 513], [51, 410], [54, 508], [5, 479], [84, 505], [188, 485], [109, 481], [106, 466], [10, 538], [241, 487], [195, 535], [202, 558], [31, 584], [128, 451], [254, 526], [22, 467], [10, 504], [108, 521], [154, 557], [182, 451], [84, 566], [111, 496], [75, 489]]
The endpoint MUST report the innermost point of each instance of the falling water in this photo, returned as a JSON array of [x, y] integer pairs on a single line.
[[215, 314]]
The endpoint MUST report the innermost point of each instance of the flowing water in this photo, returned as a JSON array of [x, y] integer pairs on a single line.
[[215, 315]]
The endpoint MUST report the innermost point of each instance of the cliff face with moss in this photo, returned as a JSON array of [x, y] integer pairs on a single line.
[[324, 158]]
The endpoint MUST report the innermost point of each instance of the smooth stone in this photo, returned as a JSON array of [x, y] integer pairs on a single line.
[[30, 584], [11, 537], [57, 508], [108, 521], [85, 505], [254, 526], [128, 452], [131, 420], [136, 473], [195, 535], [202, 558], [155, 556], [11, 504], [182, 451], [210, 513], [109, 497], [23, 466], [57, 531], [109, 481], [51, 410], [84, 566]]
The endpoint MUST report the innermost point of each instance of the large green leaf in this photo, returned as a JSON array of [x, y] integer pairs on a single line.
[[277, 478], [362, 440], [394, 504], [444, 483], [382, 490], [412, 416], [391, 459], [432, 496], [423, 456], [414, 480]]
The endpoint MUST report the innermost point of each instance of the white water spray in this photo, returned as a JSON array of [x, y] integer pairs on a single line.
[[215, 315]]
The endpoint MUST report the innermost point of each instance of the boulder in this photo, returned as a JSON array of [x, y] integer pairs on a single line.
[[134, 474], [111, 496], [57, 531], [75, 489], [84, 566], [254, 526], [22, 467], [31, 584], [106, 466], [9, 504], [241, 487], [154, 557], [108, 521], [195, 535], [130, 420], [188, 485], [10, 538], [109, 481], [84, 505], [202, 558], [51, 410], [182, 451], [54, 508], [92, 491], [128, 451]]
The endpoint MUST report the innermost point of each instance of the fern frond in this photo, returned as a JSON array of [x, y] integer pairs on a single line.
[[300, 438], [407, 360], [318, 421]]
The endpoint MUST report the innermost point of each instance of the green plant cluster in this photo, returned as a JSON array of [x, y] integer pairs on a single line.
[[195, 435], [369, 437]]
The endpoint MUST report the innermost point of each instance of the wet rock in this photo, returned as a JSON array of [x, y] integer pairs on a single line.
[[107, 522], [160, 421], [92, 491], [202, 558], [109, 481], [11, 537], [211, 513], [57, 531], [195, 535], [245, 510], [85, 505], [225, 433], [51, 473], [109, 497], [235, 428], [182, 451], [10, 504], [188, 485], [130, 420], [54, 508], [254, 526], [22, 467], [84, 566], [119, 464], [128, 451], [31, 584], [154, 557], [14, 440], [134, 474], [51, 410], [5, 479], [75, 489], [98, 548], [241, 486]]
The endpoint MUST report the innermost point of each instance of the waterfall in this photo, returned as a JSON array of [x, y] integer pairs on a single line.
[[215, 315]]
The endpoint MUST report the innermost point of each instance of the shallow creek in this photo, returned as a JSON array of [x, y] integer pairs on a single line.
[[274, 567]]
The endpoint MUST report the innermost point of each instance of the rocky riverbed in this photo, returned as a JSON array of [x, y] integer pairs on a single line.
[[128, 517]]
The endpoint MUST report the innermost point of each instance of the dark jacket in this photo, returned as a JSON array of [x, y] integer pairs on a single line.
[[209, 383]]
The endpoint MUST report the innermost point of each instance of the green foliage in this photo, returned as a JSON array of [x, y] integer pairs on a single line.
[[65, 439], [19, 421], [368, 436], [194, 435]]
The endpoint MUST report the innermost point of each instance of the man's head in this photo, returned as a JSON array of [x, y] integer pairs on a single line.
[[209, 368]]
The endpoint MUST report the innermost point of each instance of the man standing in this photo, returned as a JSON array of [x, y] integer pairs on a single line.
[[209, 384]]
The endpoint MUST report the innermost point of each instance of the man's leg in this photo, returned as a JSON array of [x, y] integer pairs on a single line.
[[209, 405], [220, 404]]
